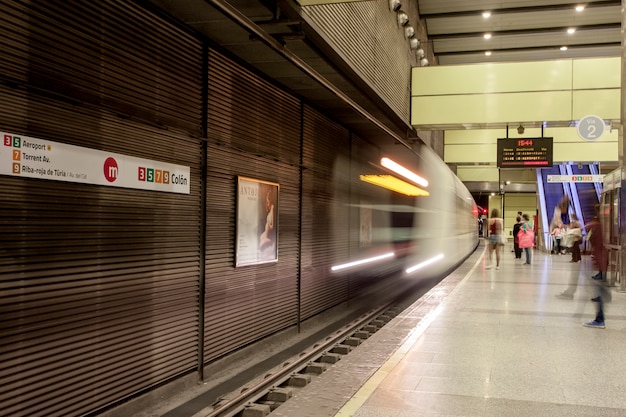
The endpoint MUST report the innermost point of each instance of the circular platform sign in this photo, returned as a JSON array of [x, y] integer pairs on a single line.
[[590, 127]]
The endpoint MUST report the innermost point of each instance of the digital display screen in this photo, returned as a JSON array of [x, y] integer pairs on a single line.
[[524, 153]]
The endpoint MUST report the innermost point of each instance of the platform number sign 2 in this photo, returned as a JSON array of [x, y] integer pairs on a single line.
[[590, 128]]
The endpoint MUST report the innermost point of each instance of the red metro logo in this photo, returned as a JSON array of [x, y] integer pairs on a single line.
[[110, 169]]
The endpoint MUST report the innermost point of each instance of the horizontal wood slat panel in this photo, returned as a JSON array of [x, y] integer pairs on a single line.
[[325, 211], [254, 131], [99, 286]]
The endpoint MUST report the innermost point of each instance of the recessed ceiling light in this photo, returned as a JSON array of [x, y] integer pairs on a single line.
[[486, 15], [488, 53], [487, 36], [571, 30], [563, 48], [580, 8]]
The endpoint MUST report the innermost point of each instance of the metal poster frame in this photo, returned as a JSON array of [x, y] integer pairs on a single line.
[[257, 222]]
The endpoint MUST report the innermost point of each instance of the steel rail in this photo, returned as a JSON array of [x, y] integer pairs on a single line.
[[255, 392]]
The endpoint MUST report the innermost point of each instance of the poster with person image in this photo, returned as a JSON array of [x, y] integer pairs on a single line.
[[257, 222]]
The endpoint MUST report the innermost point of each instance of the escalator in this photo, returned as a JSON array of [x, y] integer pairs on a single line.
[[553, 192], [586, 193], [583, 196]]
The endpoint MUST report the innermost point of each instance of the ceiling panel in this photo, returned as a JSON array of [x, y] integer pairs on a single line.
[[520, 30]]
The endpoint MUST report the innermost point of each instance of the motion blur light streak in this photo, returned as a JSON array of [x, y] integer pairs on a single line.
[[406, 173], [362, 261], [423, 264], [394, 184]]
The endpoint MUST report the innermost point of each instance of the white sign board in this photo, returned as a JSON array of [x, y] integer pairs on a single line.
[[575, 178], [23, 156]]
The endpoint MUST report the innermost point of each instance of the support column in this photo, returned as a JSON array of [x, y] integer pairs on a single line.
[[622, 230]]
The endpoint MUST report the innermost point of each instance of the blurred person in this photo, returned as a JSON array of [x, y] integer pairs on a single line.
[[558, 233], [576, 235], [602, 295], [561, 212], [495, 237], [598, 251], [600, 258], [516, 229]]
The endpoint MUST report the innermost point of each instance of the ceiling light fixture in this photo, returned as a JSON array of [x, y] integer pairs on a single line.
[[395, 5], [424, 62], [405, 172], [414, 43], [571, 30], [486, 15], [487, 53], [420, 53], [394, 184], [580, 8], [487, 36], [563, 48], [403, 18], [409, 32]]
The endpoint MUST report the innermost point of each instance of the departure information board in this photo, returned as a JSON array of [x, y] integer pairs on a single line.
[[525, 153]]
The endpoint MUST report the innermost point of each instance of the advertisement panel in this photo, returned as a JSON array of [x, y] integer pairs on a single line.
[[257, 222]]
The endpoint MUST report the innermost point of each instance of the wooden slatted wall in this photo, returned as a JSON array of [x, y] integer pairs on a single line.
[[98, 285], [253, 131], [325, 212]]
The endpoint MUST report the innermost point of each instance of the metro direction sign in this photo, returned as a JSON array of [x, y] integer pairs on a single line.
[[524, 153], [575, 178]]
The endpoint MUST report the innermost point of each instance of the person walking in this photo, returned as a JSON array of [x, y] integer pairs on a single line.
[[496, 230], [600, 258]]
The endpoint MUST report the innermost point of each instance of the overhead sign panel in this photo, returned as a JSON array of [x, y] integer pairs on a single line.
[[575, 178], [524, 153]]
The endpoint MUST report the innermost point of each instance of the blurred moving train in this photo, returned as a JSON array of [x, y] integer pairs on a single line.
[[421, 230]]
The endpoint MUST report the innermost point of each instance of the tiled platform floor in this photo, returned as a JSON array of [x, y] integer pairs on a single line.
[[485, 343]]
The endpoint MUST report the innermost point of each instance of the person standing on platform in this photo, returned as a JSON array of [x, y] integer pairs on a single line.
[[525, 228], [558, 233], [517, 220], [495, 237], [516, 229]]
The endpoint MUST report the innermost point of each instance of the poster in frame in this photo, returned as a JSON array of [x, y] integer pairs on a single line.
[[257, 222]]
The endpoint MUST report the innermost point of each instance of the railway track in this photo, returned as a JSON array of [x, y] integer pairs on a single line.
[[262, 396]]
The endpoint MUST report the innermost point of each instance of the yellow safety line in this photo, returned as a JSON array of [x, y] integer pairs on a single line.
[[354, 404]]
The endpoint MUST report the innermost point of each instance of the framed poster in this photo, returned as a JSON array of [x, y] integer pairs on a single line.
[[257, 222]]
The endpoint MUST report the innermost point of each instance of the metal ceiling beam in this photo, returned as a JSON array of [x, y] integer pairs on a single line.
[[519, 10], [530, 48], [550, 30]]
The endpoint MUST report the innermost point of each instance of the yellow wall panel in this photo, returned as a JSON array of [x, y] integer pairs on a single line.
[[491, 108], [471, 146], [470, 153], [478, 173], [602, 103], [597, 73], [492, 78], [586, 152]]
